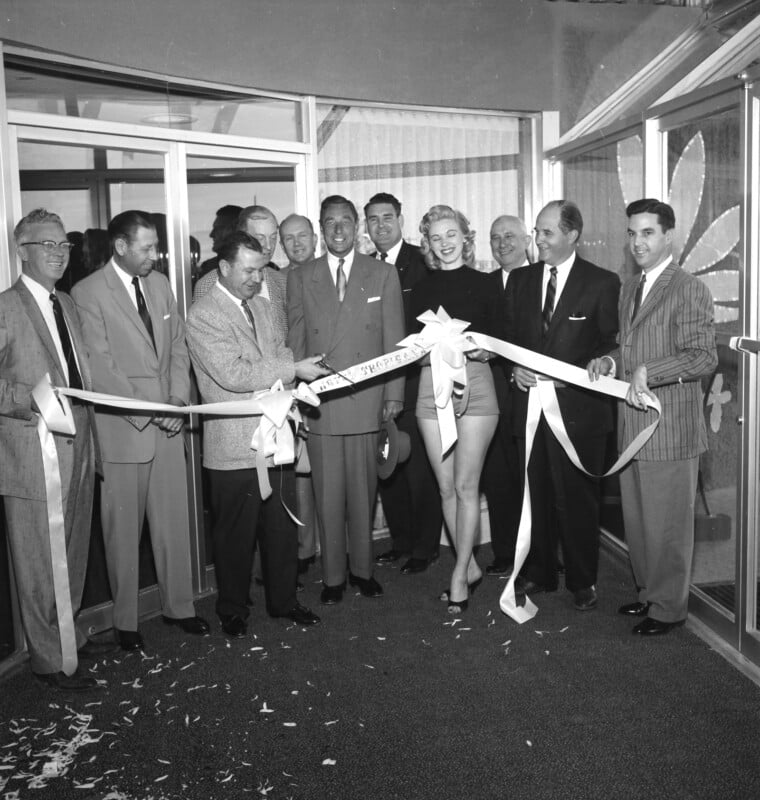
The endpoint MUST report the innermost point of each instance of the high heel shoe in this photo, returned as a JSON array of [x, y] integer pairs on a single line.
[[471, 587], [458, 607]]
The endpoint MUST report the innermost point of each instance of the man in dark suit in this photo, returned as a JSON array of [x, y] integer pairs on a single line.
[[236, 351], [40, 333], [348, 307], [410, 497], [500, 480], [136, 342], [667, 343], [566, 308]]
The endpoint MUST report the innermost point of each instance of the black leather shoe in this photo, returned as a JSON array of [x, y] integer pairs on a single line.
[[92, 651], [302, 615], [500, 566], [78, 682], [524, 586], [389, 556], [332, 594], [303, 564], [416, 565], [634, 609], [585, 599], [196, 625], [129, 640], [235, 627], [369, 587], [653, 627]]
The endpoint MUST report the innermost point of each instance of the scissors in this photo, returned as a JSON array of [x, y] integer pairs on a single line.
[[322, 363]]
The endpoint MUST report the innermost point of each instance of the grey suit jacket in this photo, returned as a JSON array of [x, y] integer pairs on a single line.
[[231, 363], [673, 336], [27, 352], [123, 361], [368, 323]]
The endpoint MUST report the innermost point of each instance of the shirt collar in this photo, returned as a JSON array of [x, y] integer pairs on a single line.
[[655, 272], [562, 268], [393, 252], [39, 292], [348, 260]]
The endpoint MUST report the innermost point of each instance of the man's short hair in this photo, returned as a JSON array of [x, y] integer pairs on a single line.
[[337, 200], [570, 217], [231, 245], [254, 212], [291, 217], [124, 225], [384, 197], [34, 217], [666, 217]]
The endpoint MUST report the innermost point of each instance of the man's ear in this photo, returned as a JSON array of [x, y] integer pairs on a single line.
[[224, 267], [120, 245]]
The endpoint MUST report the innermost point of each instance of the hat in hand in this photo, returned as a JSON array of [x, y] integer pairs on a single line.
[[393, 447]]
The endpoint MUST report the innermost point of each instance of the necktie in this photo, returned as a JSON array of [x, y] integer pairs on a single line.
[[142, 309], [340, 280], [75, 379], [551, 290], [383, 256], [639, 295], [249, 314]]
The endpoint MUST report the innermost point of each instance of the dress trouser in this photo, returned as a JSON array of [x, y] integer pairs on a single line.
[[29, 542], [241, 520], [410, 497], [158, 489], [564, 507], [306, 511], [658, 514], [344, 472]]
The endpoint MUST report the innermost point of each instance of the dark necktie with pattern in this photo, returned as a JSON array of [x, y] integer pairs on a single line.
[[638, 297], [142, 309], [249, 314], [382, 256], [75, 379], [340, 280], [551, 291]]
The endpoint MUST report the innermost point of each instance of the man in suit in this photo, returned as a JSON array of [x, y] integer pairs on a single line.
[[348, 307], [667, 343], [299, 242], [236, 350], [136, 342], [566, 308], [40, 333], [500, 480], [410, 497]]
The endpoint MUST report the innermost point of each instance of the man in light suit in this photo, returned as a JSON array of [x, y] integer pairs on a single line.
[[501, 482], [667, 343], [32, 343], [410, 497], [566, 308], [349, 307], [236, 351], [136, 342]]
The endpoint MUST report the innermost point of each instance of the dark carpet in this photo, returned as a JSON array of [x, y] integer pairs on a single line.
[[390, 698]]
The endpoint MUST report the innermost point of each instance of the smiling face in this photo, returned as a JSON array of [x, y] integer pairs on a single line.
[[447, 243], [554, 245], [649, 244], [138, 254], [384, 226], [243, 275], [338, 229], [41, 266], [298, 240], [509, 241]]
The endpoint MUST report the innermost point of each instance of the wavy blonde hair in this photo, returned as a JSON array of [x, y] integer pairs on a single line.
[[446, 212]]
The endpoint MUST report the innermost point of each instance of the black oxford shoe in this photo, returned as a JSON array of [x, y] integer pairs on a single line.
[[302, 615], [500, 566], [389, 556], [78, 682], [634, 609], [235, 627], [92, 650], [332, 594], [369, 587], [415, 565], [129, 640], [585, 599], [653, 627], [524, 586], [196, 625]]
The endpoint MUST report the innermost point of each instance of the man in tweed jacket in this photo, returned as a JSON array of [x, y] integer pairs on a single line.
[[667, 344], [236, 351]]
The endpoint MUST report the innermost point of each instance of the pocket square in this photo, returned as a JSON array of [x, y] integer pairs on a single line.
[[373, 299], [166, 316], [576, 318]]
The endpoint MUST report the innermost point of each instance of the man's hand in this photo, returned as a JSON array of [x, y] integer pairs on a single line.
[[597, 367], [171, 425], [309, 369], [638, 389], [524, 378], [391, 409]]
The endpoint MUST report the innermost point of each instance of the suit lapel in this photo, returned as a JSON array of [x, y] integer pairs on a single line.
[[230, 311], [655, 294], [326, 295], [572, 292], [122, 299], [354, 301], [79, 346], [40, 326]]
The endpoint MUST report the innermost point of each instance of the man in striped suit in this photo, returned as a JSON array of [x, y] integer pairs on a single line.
[[667, 344]]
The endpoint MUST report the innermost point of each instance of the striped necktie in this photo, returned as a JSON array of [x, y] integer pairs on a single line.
[[551, 291]]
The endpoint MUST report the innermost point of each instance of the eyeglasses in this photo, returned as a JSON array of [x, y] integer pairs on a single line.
[[50, 246]]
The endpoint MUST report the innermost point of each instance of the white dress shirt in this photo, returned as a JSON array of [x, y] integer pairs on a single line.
[[563, 270], [332, 263]]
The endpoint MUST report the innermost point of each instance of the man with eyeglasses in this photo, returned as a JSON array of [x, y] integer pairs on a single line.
[[136, 342], [40, 333]]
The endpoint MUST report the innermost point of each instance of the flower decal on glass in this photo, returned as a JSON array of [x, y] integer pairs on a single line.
[[717, 398]]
